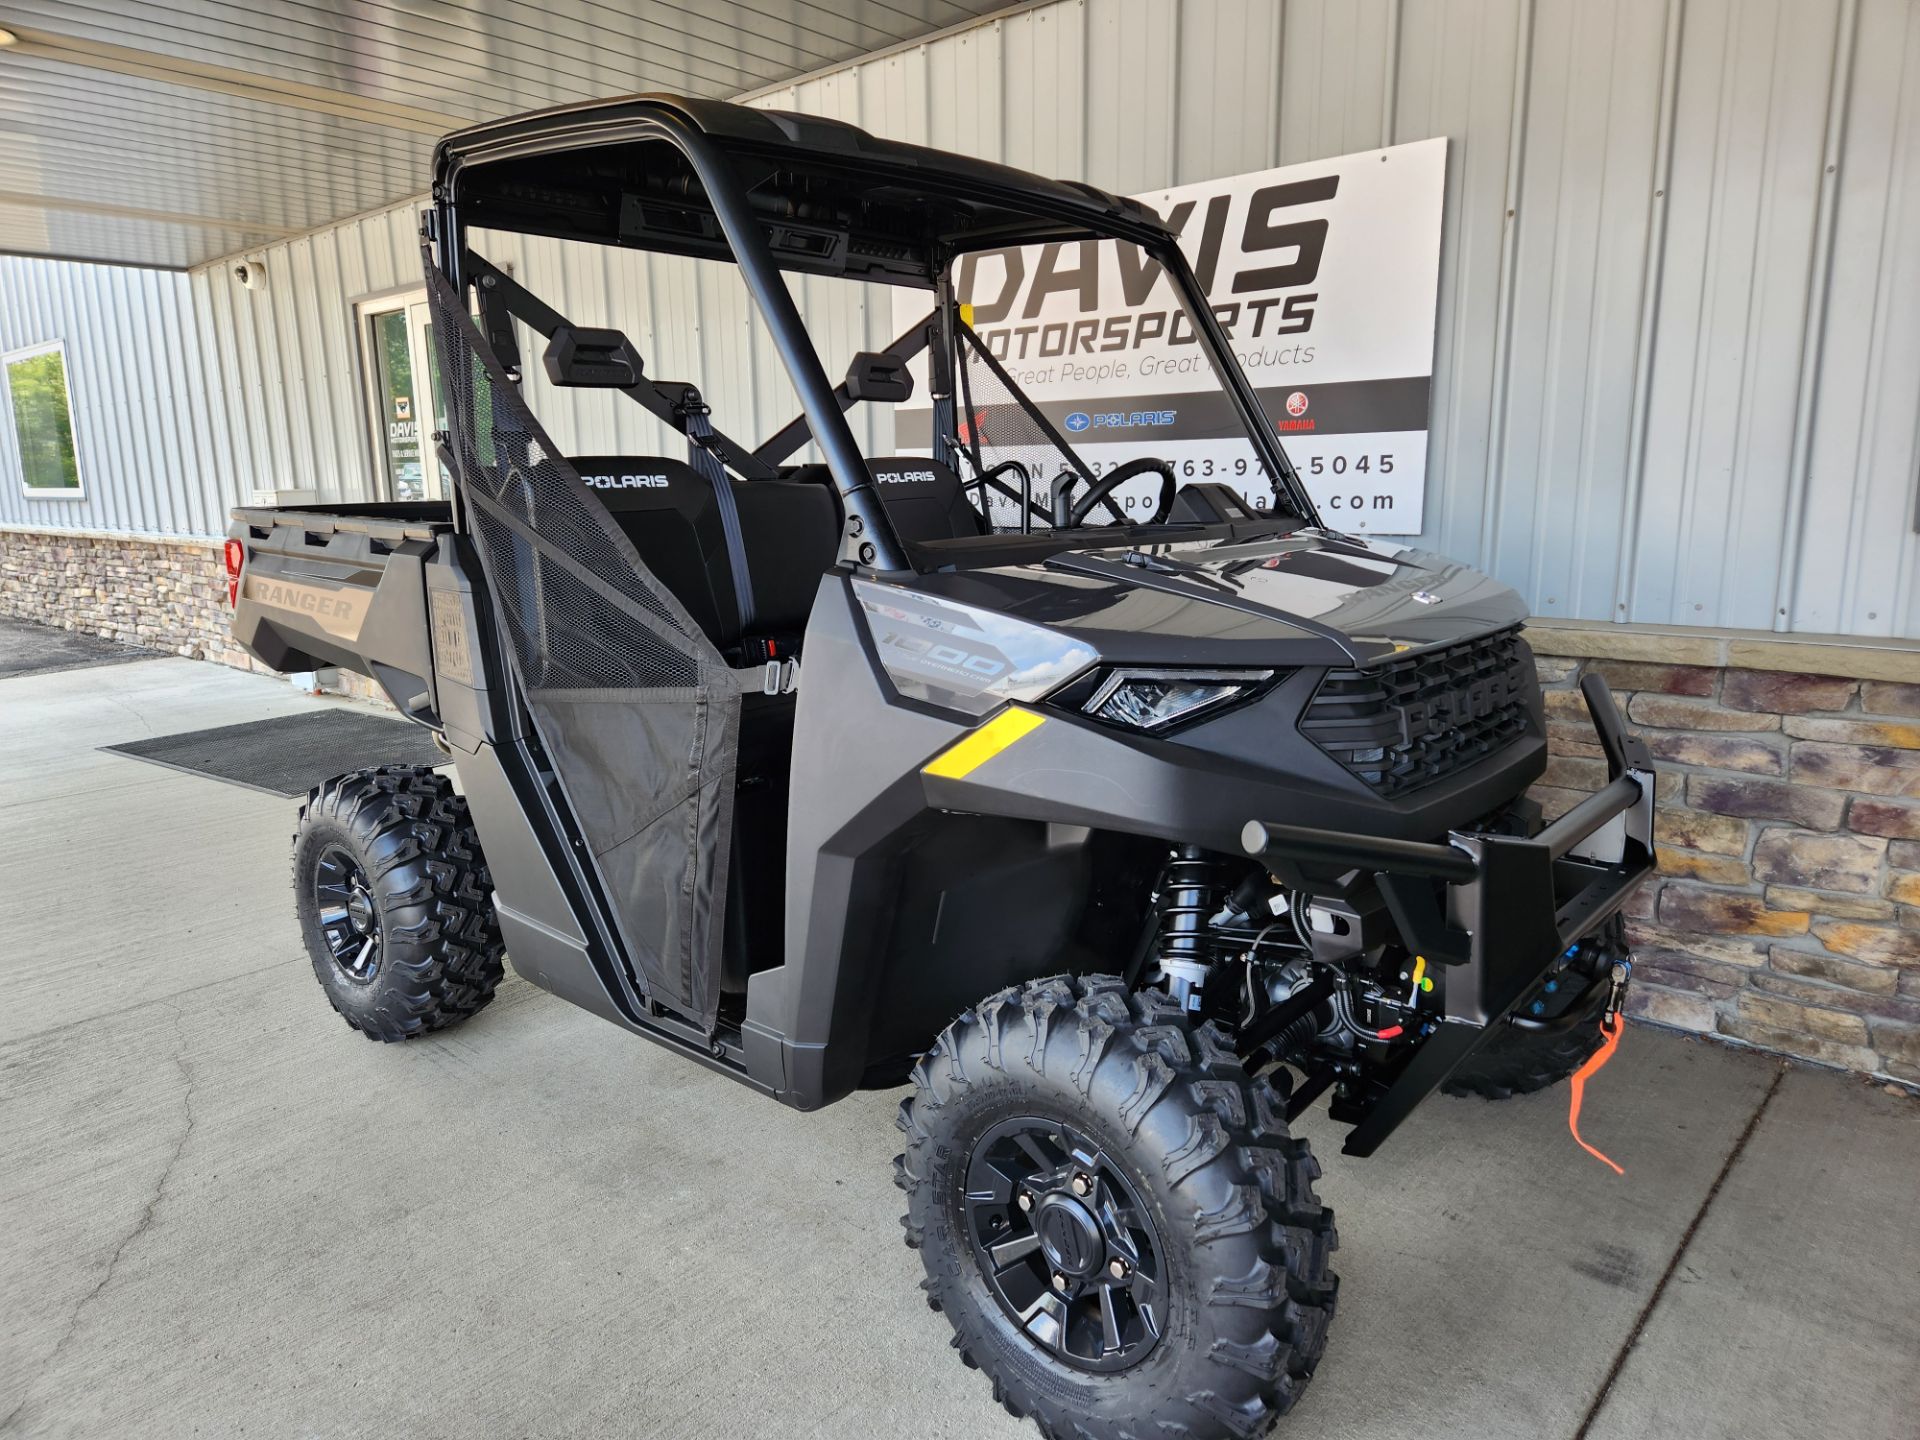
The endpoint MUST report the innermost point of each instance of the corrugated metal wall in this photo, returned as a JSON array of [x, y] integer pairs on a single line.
[[1677, 371], [288, 356], [1672, 384], [144, 407], [292, 365]]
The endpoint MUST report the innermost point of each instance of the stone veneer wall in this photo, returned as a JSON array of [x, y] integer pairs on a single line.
[[168, 595], [1786, 913], [163, 594]]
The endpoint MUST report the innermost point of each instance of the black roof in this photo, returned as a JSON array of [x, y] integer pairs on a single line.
[[610, 171]]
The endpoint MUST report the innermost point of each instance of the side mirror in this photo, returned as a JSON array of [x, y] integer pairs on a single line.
[[873, 376], [592, 359]]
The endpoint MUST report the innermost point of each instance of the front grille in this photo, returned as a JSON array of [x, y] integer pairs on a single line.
[[1416, 720]]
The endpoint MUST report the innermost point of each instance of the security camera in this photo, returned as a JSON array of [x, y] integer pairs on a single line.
[[251, 274]]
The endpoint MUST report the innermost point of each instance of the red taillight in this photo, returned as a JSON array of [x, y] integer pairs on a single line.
[[236, 554]]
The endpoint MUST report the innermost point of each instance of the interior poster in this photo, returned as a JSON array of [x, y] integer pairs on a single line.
[[1325, 277]]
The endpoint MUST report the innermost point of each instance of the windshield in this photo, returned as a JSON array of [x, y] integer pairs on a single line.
[[1076, 357]]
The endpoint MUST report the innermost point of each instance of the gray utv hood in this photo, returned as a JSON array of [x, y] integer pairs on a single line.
[[1306, 598]]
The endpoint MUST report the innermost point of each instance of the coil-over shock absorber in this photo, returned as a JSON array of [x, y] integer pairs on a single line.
[[1193, 888]]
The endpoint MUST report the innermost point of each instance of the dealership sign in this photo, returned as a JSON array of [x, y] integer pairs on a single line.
[[1325, 277]]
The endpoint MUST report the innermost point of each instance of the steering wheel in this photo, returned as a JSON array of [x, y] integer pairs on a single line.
[[1069, 516], [990, 479]]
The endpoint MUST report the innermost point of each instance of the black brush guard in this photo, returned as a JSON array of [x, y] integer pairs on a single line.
[[1491, 912]]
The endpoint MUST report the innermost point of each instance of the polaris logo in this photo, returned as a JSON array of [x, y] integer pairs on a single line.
[[626, 482], [1121, 419], [907, 477]]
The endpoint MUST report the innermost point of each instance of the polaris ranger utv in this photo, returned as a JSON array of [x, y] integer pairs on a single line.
[[1123, 826]]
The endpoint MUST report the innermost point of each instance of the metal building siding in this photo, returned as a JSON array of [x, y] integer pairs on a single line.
[[1737, 280], [1676, 374], [1465, 90], [1858, 565], [140, 399], [1658, 395], [1556, 480], [288, 354]]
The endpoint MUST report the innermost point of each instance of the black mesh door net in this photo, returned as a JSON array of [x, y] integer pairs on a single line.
[[638, 712]]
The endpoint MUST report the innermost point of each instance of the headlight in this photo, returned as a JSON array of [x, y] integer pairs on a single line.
[[961, 657], [1155, 699]]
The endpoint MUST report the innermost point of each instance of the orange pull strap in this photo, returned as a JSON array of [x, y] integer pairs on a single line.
[[1592, 1067]]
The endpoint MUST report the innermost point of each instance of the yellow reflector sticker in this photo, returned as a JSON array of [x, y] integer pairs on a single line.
[[966, 314], [976, 747]]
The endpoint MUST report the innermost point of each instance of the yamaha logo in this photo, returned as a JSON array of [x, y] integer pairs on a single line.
[[1297, 403]]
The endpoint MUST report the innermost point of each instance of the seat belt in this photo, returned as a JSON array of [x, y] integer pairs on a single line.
[[776, 677], [692, 411]]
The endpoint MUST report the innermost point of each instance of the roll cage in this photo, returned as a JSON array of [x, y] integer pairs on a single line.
[[771, 191]]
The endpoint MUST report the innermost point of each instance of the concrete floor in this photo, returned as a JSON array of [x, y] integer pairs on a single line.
[[27, 649], [222, 1213]]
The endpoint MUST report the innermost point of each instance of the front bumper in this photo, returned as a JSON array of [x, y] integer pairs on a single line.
[[1491, 912]]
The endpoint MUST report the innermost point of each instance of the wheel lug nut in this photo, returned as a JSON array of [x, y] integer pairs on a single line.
[[1026, 1201], [1059, 1281], [1118, 1269], [1082, 1185]]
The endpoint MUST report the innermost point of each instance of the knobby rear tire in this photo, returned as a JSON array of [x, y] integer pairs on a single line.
[[439, 950]]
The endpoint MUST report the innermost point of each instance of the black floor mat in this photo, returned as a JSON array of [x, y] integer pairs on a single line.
[[291, 754], [29, 649]]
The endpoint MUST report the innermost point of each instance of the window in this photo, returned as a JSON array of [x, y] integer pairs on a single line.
[[42, 408], [403, 388]]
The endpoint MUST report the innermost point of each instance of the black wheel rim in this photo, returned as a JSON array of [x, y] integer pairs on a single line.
[[349, 921], [1065, 1243]]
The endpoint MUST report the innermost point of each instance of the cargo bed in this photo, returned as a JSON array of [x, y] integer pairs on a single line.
[[344, 586], [401, 520]]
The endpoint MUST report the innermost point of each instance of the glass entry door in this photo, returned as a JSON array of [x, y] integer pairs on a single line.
[[405, 375]]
